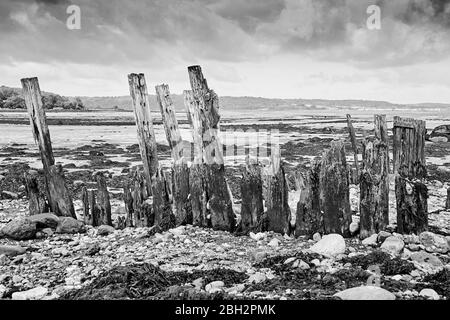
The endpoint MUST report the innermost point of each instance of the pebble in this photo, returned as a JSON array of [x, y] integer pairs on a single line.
[[317, 236], [370, 241], [3, 291], [33, 294], [393, 245], [429, 293], [330, 245], [274, 243], [365, 293], [214, 286], [257, 277]]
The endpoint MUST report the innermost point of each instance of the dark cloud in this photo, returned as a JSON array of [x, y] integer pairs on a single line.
[[161, 31]]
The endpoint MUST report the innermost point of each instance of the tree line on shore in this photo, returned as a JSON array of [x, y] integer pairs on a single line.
[[11, 98]]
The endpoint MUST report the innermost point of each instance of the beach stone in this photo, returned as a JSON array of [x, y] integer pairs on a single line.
[[178, 231], [434, 242], [317, 236], [330, 245], [429, 293], [393, 245], [370, 241], [9, 195], [257, 277], [3, 291], [257, 236], [427, 259], [214, 286], [383, 235], [47, 232], [365, 293], [70, 225], [19, 229], [11, 251], [44, 220], [287, 261], [33, 294], [354, 227], [104, 230], [274, 243]]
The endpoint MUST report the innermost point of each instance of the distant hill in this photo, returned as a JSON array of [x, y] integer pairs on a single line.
[[252, 103], [237, 103]]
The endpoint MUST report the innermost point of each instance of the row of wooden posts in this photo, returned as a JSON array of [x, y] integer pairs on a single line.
[[197, 192]]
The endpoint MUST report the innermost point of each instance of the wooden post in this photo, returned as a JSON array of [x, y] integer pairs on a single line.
[[278, 211], [206, 109], [409, 167], [36, 201], [374, 189], [58, 195], [180, 170], [409, 146], [351, 132], [38, 120], [103, 201], [90, 209], [309, 216], [144, 124], [128, 200], [381, 133], [143, 215], [252, 207], [412, 205], [447, 203], [334, 190], [198, 196], [147, 145]]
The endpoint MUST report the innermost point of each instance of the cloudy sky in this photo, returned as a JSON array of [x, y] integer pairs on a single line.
[[268, 48]]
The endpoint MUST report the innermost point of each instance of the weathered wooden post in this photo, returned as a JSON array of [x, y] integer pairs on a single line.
[[103, 201], [277, 202], [197, 179], [36, 201], [206, 105], [147, 145], [352, 134], [447, 203], [374, 189], [252, 207], [91, 211], [334, 190], [58, 195], [309, 216], [409, 168], [381, 133], [180, 169], [129, 209]]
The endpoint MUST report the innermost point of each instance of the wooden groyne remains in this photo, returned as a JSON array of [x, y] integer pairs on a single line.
[[196, 191]]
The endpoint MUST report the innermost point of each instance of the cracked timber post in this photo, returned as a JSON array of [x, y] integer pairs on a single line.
[[351, 132], [197, 179], [252, 207], [206, 104], [334, 190], [374, 189], [410, 171], [180, 169], [309, 216], [147, 146], [58, 195]]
